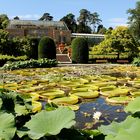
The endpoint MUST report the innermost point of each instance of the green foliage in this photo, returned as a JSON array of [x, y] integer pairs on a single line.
[[87, 18], [80, 50], [7, 126], [136, 62], [41, 63], [33, 48], [50, 123], [134, 21], [70, 21], [5, 58], [47, 48], [126, 130], [118, 41], [133, 106], [3, 42], [4, 20]]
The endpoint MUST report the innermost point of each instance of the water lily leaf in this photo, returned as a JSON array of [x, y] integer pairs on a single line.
[[50, 122], [7, 126], [126, 130], [1, 102], [133, 106], [20, 110]]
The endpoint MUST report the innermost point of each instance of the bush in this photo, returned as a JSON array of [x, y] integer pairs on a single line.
[[80, 50], [5, 58], [34, 48], [47, 48], [41, 63], [136, 62]]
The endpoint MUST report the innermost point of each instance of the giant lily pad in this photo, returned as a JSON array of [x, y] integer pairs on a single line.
[[88, 95], [72, 99], [48, 123], [126, 130], [119, 100], [133, 106], [53, 93], [7, 126]]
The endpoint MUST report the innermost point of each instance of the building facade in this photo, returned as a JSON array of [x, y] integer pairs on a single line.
[[33, 28]]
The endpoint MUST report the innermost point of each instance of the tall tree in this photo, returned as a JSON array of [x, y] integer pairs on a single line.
[[46, 17], [94, 20], [70, 21], [4, 20], [83, 21], [134, 21], [16, 18]]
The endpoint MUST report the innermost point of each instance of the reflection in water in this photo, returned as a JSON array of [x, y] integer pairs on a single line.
[[88, 114]]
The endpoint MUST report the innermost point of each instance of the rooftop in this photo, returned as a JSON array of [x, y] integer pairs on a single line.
[[37, 23]]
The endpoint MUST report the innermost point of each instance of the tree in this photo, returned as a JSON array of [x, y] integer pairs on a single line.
[[101, 29], [3, 42], [118, 40], [46, 17], [70, 21], [134, 21], [83, 21], [94, 20], [4, 20], [16, 18]]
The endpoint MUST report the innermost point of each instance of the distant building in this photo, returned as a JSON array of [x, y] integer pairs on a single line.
[[34, 28]]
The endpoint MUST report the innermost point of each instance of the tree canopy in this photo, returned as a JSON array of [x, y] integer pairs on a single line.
[[134, 21], [118, 40], [4, 20], [46, 17]]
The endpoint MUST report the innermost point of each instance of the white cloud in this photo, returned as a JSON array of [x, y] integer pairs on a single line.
[[117, 22], [27, 16]]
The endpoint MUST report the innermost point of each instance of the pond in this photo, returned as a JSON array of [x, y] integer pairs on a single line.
[[99, 91]]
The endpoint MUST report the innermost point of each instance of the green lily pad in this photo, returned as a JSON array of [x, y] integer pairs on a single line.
[[53, 93], [72, 99], [119, 100], [107, 88], [7, 126], [133, 106], [48, 123], [126, 130], [88, 95]]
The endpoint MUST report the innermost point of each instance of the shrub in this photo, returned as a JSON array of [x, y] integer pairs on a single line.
[[5, 58], [80, 50], [47, 48], [41, 63], [34, 48], [136, 61]]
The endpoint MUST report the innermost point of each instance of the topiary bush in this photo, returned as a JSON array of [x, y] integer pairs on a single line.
[[80, 50], [46, 48], [33, 54]]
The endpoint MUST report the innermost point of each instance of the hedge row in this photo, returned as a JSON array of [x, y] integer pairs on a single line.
[[41, 63], [5, 58]]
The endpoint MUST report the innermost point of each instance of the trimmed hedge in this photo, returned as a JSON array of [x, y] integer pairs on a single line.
[[80, 50], [47, 48]]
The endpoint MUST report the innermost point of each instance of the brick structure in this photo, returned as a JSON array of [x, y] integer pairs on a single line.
[[33, 28]]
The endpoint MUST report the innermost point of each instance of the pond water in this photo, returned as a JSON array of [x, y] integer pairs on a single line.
[[109, 113]]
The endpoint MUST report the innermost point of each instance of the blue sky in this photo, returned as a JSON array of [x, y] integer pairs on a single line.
[[112, 12]]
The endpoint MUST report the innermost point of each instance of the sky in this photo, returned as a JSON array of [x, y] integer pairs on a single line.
[[112, 12]]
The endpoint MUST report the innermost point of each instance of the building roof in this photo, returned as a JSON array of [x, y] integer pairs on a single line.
[[37, 23]]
